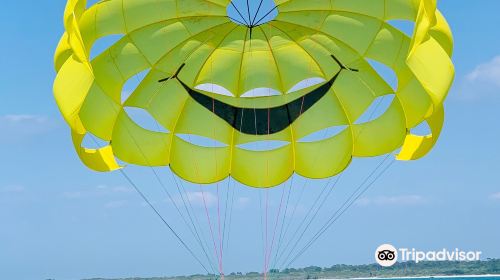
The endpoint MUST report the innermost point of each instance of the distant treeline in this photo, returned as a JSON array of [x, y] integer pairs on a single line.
[[408, 269]]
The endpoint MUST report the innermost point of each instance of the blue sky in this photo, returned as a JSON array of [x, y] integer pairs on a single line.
[[60, 220]]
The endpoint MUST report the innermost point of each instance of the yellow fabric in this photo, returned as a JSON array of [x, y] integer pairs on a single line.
[[161, 35]]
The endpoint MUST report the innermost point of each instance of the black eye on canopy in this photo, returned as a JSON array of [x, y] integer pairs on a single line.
[[261, 121]]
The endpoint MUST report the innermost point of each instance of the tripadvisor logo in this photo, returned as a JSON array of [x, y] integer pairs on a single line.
[[387, 255]]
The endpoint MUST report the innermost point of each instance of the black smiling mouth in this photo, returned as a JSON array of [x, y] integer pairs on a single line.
[[261, 121]]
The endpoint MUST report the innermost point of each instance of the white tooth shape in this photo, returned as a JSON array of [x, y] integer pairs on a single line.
[[306, 84], [260, 92], [213, 88]]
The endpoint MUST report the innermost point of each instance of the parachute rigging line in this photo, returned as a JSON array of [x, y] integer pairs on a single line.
[[262, 227], [192, 210], [346, 206], [239, 13], [226, 204], [203, 244], [248, 11], [266, 233], [193, 230], [331, 188], [268, 13], [268, 257], [219, 225], [257, 12], [210, 227], [231, 18], [284, 217], [230, 215], [163, 219]]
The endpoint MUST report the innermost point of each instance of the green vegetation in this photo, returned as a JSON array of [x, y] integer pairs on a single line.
[[490, 266]]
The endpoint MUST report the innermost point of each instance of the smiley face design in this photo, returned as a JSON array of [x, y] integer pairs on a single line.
[[262, 121]]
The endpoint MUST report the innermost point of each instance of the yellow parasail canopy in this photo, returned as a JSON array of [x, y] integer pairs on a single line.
[[188, 46]]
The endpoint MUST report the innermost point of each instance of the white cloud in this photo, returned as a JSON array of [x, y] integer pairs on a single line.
[[99, 191], [122, 190], [17, 119], [20, 126], [487, 72], [483, 81], [104, 189], [115, 204], [402, 200], [72, 195], [12, 189], [201, 198], [242, 202], [495, 196]]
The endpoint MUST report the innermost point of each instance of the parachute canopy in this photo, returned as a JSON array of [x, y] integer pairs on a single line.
[[237, 82]]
